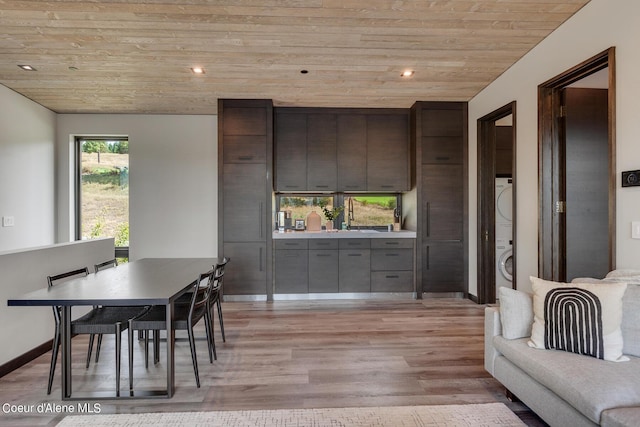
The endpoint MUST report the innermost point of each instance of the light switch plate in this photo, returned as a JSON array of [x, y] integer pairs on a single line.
[[635, 230], [8, 221]]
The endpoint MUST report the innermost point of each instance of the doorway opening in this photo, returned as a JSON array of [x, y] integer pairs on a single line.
[[496, 202], [570, 149]]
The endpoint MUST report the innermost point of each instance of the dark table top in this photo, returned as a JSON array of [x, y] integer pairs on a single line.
[[149, 281]]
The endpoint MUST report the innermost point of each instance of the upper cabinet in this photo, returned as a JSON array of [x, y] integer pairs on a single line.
[[388, 152], [346, 150]]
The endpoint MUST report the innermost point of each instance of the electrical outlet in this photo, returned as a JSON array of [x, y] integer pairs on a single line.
[[635, 229], [8, 221]]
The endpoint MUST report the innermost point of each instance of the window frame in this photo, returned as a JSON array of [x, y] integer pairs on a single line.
[[120, 251]]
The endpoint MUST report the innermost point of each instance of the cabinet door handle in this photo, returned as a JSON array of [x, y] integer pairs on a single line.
[[322, 244], [260, 219], [354, 254], [392, 276], [260, 258], [322, 255], [322, 186], [427, 256], [291, 186], [392, 243], [442, 158], [290, 244], [392, 254], [428, 219], [386, 186], [245, 158]]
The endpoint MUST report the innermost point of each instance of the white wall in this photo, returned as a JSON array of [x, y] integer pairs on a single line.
[[596, 27], [27, 178], [173, 180], [24, 271]]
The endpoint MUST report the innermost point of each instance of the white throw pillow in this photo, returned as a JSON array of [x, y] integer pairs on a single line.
[[582, 318], [516, 313]]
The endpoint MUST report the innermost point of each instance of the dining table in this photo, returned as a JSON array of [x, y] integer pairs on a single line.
[[143, 282]]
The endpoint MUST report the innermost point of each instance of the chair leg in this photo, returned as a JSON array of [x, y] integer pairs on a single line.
[[118, 356], [90, 349], [220, 319], [130, 337], [194, 356], [98, 347], [54, 357], [156, 346], [211, 344], [146, 349]]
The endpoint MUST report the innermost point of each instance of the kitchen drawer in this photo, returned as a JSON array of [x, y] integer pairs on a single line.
[[392, 259], [355, 243], [323, 244], [392, 281], [392, 243], [292, 244]]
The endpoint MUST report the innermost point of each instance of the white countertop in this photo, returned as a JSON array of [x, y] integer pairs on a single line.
[[345, 234]]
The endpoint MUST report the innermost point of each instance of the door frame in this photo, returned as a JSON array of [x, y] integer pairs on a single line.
[[551, 173], [486, 236]]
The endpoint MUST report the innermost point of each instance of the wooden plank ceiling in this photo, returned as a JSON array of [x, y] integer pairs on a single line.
[[123, 56]]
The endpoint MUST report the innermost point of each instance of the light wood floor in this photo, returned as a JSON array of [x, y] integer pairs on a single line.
[[303, 354]]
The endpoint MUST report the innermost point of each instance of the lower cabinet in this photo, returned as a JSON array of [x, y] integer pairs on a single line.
[[343, 265], [323, 266], [252, 277], [443, 267]]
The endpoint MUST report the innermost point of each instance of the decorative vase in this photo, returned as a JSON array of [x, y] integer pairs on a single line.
[[329, 225], [313, 222]]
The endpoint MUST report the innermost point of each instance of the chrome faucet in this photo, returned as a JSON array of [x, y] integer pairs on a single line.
[[350, 216]]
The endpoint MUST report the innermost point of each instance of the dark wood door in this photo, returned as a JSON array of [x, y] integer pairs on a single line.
[[244, 202], [442, 202], [322, 168], [249, 277], [586, 183], [443, 267], [387, 152], [352, 152], [291, 152]]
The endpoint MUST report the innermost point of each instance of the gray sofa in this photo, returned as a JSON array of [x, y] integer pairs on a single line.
[[567, 389]]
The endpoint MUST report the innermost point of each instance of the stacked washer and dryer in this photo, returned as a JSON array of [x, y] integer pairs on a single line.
[[504, 234]]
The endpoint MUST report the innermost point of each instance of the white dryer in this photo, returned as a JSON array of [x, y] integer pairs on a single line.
[[504, 264], [504, 206]]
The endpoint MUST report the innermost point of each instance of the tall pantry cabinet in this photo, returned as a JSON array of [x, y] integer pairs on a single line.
[[245, 156], [440, 139]]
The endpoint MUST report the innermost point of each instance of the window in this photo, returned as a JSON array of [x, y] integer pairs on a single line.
[[102, 191], [369, 210], [302, 205]]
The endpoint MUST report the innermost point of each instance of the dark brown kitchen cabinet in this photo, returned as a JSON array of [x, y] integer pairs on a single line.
[[249, 277], [352, 152], [322, 168], [245, 156], [443, 267], [440, 137], [442, 203], [292, 272], [245, 202], [323, 266], [388, 152], [291, 152]]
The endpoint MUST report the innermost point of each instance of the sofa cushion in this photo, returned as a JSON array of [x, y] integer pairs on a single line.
[[588, 384], [631, 320], [582, 318], [621, 417], [516, 313]]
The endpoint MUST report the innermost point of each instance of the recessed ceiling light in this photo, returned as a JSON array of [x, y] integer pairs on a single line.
[[27, 67], [197, 70], [407, 73], [304, 71]]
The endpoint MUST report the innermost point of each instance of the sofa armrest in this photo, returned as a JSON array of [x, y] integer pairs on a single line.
[[492, 327]]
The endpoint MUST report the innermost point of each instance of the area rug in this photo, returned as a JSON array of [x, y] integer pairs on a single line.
[[475, 415]]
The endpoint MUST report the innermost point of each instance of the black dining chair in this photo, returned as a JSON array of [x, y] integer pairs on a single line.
[[185, 318], [99, 320], [124, 313]]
